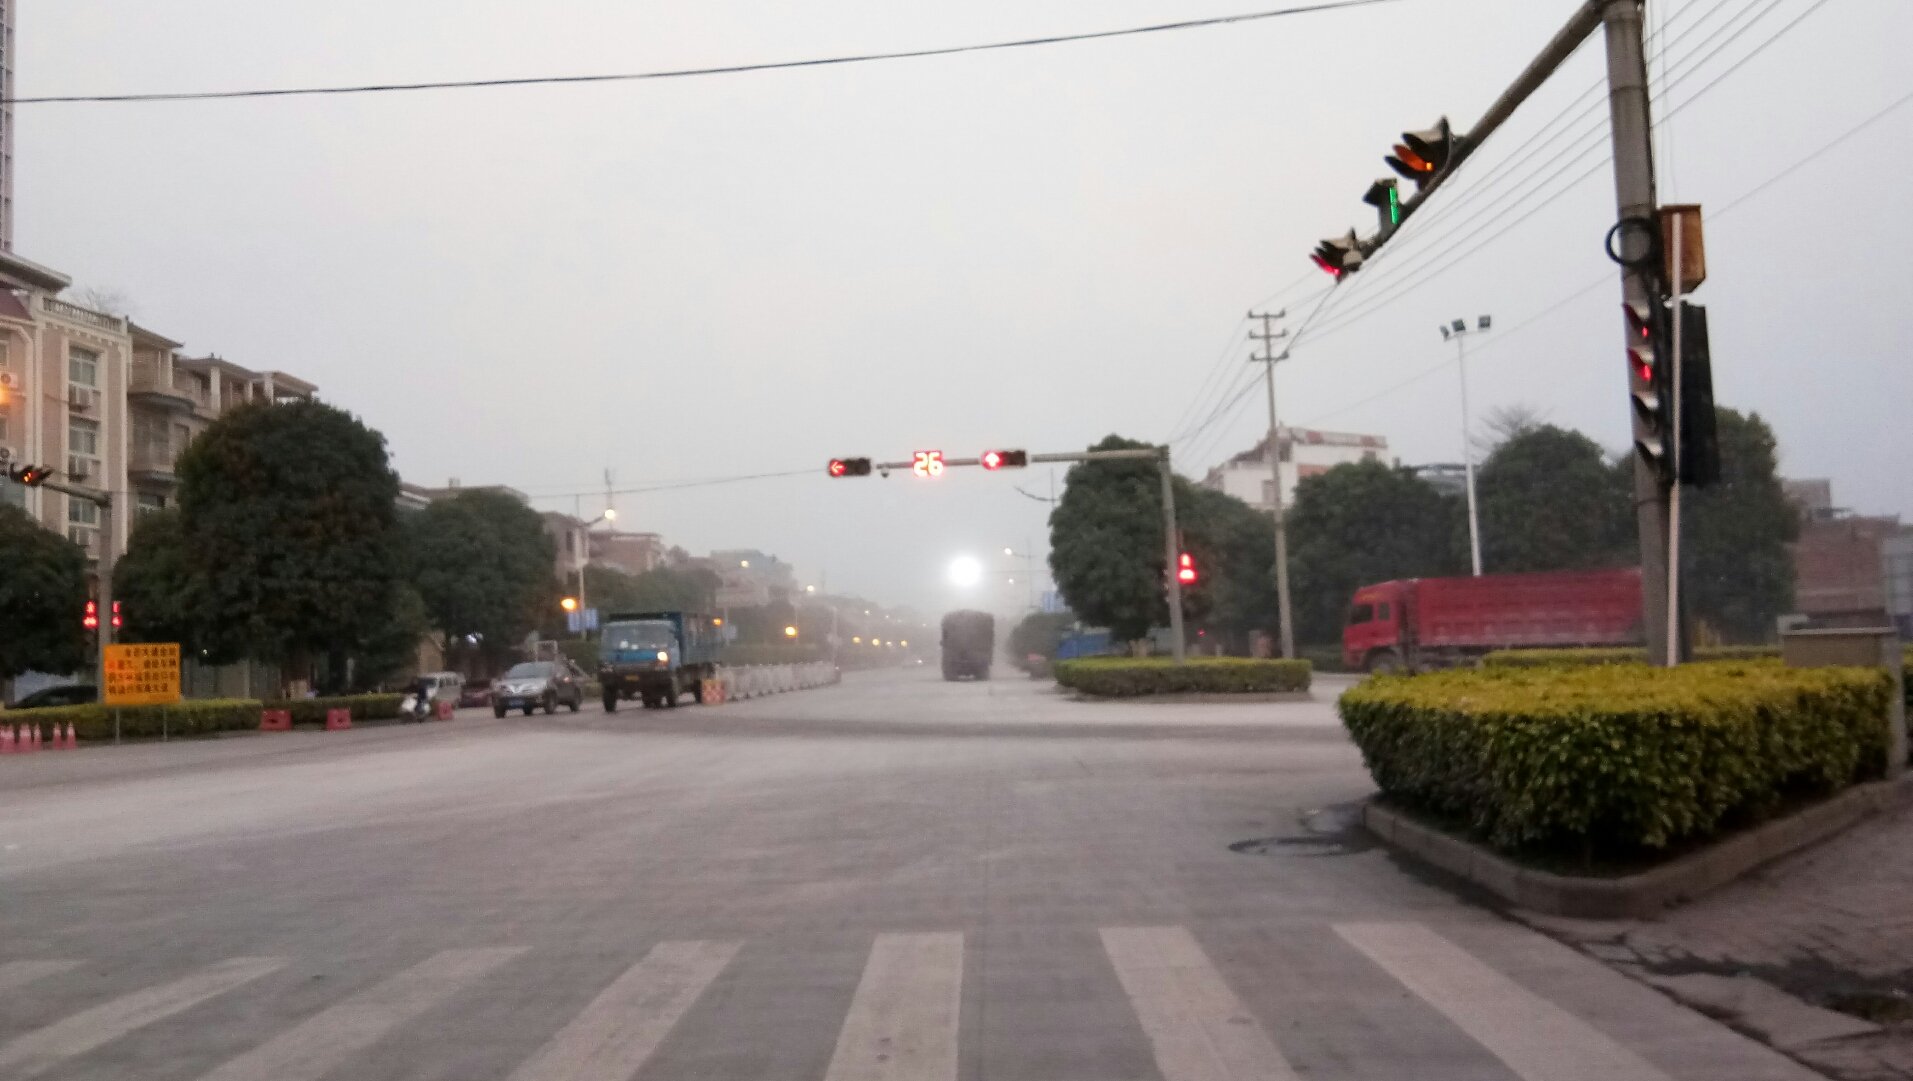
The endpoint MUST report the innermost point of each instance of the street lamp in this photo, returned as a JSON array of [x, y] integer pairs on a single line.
[[1457, 332], [790, 631], [965, 572], [569, 604], [584, 559]]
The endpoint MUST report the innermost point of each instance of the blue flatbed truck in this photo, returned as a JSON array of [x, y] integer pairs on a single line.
[[657, 656]]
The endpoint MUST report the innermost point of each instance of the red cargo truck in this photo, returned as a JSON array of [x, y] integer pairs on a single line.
[[1420, 623]]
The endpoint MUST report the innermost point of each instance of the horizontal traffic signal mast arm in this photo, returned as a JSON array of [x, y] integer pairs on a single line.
[[1583, 23]]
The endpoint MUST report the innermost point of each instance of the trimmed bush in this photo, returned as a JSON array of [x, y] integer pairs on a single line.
[[364, 707], [1616, 759], [1130, 677], [193, 717], [1543, 658]]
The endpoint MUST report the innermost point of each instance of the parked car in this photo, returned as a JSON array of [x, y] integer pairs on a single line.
[[67, 694], [446, 687], [476, 693], [531, 684]]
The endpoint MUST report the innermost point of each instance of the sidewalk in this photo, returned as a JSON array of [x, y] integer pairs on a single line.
[[1831, 928]]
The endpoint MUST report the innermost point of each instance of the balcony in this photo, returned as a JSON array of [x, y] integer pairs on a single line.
[[148, 387], [151, 461], [75, 313]]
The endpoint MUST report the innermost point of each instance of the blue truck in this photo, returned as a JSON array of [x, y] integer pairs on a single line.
[[657, 656]]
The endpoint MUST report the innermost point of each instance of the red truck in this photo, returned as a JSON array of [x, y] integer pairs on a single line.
[[1420, 623]]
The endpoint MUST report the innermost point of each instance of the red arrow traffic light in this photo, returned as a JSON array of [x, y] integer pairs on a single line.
[[1186, 569]]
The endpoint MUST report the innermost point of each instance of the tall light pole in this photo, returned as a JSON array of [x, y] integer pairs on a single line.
[[1458, 332], [584, 557], [1029, 569], [1284, 620]]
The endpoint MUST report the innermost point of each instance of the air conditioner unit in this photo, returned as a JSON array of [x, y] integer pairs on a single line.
[[9, 381], [84, 399], [79, 467], [6, 454]]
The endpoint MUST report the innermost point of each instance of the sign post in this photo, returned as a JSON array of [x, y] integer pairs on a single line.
[[146, 674]]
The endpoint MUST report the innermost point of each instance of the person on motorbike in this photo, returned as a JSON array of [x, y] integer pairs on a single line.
[[422, 694]]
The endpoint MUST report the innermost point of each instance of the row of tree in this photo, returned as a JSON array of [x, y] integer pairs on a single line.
[[1549, 499]]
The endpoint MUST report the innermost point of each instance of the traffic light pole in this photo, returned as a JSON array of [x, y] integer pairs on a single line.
[[1635, 201], [1169, 547], [104, 632]]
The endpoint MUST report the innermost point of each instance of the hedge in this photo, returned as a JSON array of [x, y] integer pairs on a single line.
[[1537, 658], [1616, 759], [192, 717], [1129, 677], [364, 707]]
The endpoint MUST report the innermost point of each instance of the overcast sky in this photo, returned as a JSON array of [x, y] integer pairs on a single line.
[[1037, 247]]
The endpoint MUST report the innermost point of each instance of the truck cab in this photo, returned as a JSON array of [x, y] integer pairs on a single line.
[[656, 656], [1373, 636]]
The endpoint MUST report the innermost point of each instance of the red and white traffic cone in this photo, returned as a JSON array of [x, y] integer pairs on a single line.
[[72, 739], [26, 739], [6, 739], [39, 736]]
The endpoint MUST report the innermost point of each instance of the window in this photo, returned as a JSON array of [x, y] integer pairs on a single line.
[[1382, 612], [83, 437], [1361, 613], [81, 512], [83, 367], [148, 503], [182, 435]]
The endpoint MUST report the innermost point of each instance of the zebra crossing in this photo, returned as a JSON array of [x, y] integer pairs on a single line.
[[907, 1020]]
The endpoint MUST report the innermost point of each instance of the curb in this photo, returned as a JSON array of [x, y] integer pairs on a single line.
[[1635, 896]]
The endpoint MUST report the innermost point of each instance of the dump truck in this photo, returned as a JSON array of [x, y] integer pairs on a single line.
[[657, 656], [1416, 624], [969, 643]]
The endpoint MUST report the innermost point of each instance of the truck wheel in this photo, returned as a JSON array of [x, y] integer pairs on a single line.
[[498, 712], [671, 695], [697, 692], [611, 701], [576, 703], [1384, 663], [551, 703]]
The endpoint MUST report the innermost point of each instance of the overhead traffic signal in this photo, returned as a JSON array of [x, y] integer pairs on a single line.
[[1650, 384], [1004, 459], [1385, 195], [91, 619], [1339, 256], [927, 463], [849, 467], [1186, 569], [30, 475], [1700, 434], [116, 615], [1422, 156]]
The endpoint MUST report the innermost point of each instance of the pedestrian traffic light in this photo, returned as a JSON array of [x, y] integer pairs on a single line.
[[1004, 459], [1649, 384], [30, 475], [927, 463], [1700, 434], [1385, 195], [1186, 569], [1339, 256], [116, 615], [849, 467], [1422, 156], [91, 620]]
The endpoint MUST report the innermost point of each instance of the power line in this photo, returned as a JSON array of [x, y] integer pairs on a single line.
[[709, 482], [683, 73], [1232, 404]]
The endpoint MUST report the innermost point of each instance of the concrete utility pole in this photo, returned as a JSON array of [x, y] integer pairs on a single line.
[[1169, 553], [1284, 617], [1458, 333], [1640, 285]]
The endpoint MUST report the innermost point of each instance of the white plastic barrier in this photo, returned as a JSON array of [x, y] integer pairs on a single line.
[[755, 681]]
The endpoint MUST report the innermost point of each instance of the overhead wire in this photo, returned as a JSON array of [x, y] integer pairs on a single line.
[[683, 73], [1234, 403]]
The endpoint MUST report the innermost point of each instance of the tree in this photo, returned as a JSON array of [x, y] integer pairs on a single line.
[[481, 562], [1547, 502], [1039, 633], [158, 584], [1734, 557], [288, 512], [1106, 543], [393, 648], [1503, 423], [1358, 524], [42, 597], [1234, 549]]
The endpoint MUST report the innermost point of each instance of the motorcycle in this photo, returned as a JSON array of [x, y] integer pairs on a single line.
[[413, 707]]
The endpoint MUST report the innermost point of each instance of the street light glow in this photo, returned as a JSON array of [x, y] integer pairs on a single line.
[[790, 632], [1009, 551], [611, 514], [569, 604], [965, 572]]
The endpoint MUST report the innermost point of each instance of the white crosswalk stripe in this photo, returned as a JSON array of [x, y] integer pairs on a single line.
[[902, 1024], [41, 1050], [20, 973], [1197, 1027], [611, 1039], [314, 1047], [1537, 1039]]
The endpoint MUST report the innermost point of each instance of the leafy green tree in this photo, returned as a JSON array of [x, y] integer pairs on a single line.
[[392, 650], [43, 593], [1358, 524], [1106, 543], [159, 585], [288, 514], [481, 562], [1547, 503], [1234, 548], [1039, 633], [1734, 557]]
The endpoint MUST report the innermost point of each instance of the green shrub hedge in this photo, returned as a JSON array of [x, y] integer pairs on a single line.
[[1129, 677], [1539, 658], [1616, 759], [193, 717], [364, 707]]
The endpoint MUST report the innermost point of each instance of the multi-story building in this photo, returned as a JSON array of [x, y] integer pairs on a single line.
[[631, 553], [106, 403], [749, 578], [1849, 567], [1304, 453]]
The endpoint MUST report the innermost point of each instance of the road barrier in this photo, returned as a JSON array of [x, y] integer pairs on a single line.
[[275, 720], [338, 720], [758, 680]]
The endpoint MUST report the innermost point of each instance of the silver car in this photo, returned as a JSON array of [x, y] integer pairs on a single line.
[[531, 684]]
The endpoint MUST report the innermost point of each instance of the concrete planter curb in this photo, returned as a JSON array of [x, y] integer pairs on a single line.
[[1635, 896]]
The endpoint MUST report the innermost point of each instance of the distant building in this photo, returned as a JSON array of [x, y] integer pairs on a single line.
[[1813, 497], [1304, 453], [748, 578], [631, 553], [1850, 567], [1448, 478]]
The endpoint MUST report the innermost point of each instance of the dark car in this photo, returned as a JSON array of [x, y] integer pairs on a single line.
[[531, 684], [475, 693], [68, 694]]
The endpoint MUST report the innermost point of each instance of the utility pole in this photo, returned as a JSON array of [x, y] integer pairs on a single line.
[[1284, 617], [1457, 332], [1169, 551], [1637, 230]]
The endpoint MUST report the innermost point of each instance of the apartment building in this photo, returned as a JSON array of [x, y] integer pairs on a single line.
[[107, 403], [1303, 453]]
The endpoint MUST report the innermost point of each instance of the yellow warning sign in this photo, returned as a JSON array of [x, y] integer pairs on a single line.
[[142, 675]]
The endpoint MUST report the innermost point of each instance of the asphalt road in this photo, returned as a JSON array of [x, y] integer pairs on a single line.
[[894, 879]]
